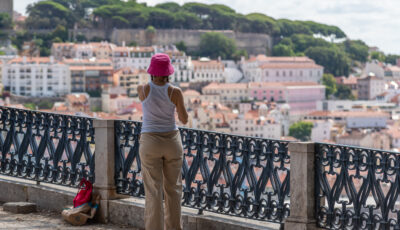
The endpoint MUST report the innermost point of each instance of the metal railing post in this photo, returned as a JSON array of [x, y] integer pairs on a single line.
[[302, 187], [104, 169]]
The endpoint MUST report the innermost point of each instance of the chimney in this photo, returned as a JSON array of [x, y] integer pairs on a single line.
[[123, 43], [219, 58]]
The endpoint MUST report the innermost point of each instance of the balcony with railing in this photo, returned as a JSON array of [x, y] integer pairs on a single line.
[[296, 185]]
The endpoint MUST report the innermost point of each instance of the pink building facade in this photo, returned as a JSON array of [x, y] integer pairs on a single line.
[[301, 96]]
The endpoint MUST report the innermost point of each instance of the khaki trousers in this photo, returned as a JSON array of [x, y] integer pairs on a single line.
[[161, 157]]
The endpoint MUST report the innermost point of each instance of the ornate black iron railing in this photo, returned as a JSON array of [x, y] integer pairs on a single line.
[[223, 173], [46, 147], [357, 188]]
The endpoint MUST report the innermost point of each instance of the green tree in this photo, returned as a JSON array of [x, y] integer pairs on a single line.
[[187, 20], [356, 49], [60, 32], [282, 50], [181, 46], [214, 44], [301, 130], [378, 56], [132, 43], [392, 59], [45, 104], [301, 42], [48, 15], [330, 83], [334, 60], [343, 92], [94, 93], [5, 21], [160, 18], [239, 54], [30, 106], [81, 38], [170, 6]]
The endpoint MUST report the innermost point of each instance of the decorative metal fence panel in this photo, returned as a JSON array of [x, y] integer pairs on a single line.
[[234, 175], [357, 188], [46, 147]]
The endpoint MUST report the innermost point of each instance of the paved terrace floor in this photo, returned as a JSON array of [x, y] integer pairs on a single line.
[[45, 220]]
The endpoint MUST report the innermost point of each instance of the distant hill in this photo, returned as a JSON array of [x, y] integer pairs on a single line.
[[110, 14], [290, 38]]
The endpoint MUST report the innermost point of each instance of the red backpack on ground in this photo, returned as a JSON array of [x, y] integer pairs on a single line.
[[84, 194]]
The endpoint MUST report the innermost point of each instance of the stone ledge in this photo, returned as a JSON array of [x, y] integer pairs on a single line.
[[128, 211], [131, 211], [19, 207]]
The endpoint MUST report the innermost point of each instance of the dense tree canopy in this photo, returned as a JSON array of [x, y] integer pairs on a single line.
[[392, 59], [130, 14], [48, 15], [282, 50], [380, 56], [343, 92], [330, 83], [214, 45], [294, 38], [5, 21], [356, 49], [301, 130], [334, 60]]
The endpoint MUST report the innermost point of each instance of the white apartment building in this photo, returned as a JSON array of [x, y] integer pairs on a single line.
[[376, 67], [353, 119], [206, 70], [370, 87], [392, 71], [99, 50], [249, 125], [133, 57], [129, 79], [358, 105], [366, 139], [321, 130], [282, 69], [229, 92], [115, 99], [193, 98], [181, 66], [37, 77]]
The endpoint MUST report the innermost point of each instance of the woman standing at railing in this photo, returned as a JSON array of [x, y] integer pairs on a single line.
[[160, 149]]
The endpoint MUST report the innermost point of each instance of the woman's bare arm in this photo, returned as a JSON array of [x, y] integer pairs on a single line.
[[177, 99], [143, 93]]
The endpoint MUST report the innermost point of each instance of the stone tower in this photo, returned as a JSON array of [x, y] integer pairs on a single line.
[[7, 6]]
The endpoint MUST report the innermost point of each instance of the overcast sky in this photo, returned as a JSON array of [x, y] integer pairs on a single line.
[[376, 22]]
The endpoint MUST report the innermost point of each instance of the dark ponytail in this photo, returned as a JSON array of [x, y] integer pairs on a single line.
[[164, 77]]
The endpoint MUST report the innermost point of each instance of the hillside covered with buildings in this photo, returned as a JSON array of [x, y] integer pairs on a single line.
[[308, 86]]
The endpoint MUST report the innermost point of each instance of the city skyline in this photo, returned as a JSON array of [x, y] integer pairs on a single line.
[[370, 21]]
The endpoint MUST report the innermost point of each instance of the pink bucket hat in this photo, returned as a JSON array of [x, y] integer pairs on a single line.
[[160, 65]]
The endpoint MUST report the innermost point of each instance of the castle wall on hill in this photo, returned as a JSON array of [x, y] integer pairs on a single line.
[[7, 6], [252, 42]]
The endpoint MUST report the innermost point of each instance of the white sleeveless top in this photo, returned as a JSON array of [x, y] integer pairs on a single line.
[[158, 110]]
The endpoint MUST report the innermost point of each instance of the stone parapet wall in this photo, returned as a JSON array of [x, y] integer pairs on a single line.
[[252, 42], [122, 211]]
